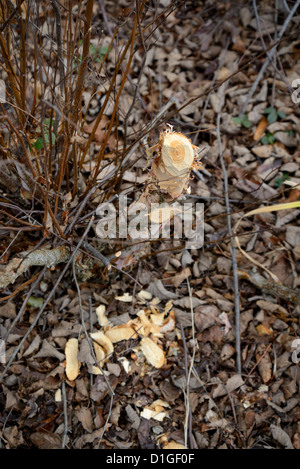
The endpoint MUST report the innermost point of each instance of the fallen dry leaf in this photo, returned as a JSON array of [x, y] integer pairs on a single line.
[[133, 417], [100, 129], [46, 440], [264, 365], [260, 129], [84, 416], [13, 436], [263, 151], [281, 436], [158, 290], [263, 330], [181, 277]]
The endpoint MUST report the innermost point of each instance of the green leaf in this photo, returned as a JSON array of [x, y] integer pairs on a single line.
[[281, 114], [280, 180], [102, 51], [38, 144], [272, 139], [237, 120], [35, 302], [47, 138], [98, 53], [93, 50], [265, 140], [245, 122], [268, 139], [47, 122], [272, 116], [269, 109]]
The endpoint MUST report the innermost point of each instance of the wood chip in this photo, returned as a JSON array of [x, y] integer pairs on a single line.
[[72, 363], [118, 333], [153, 353]]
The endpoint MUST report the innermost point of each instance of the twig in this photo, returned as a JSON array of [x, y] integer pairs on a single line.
[[93, 212], [59, 44], [232, 406], [188, 428], [19, 228], [134, 96], [84, 62], [134, 287], [286, 7], [275, 68], [97, 254], [233, 250], [19, 288], [269, 58], [65, 410], [79, 209], [7, 21], [131, 150], [106, 421], [36, 280], [134, 85], [188, 416], [235, 201], [273, 63], [192, 359], [220, 65], [91, 328], [61, 66], [7, 248]]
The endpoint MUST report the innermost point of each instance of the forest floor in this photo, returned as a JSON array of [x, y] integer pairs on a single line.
[[188, 392]]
